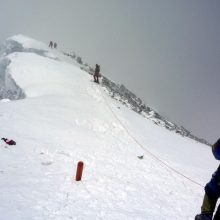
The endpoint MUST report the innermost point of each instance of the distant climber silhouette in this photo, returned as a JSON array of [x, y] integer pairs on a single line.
[[96, 73], [51, 44]]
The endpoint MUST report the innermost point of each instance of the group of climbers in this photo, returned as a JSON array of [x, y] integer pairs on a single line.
[[96, 73], [53, 44]]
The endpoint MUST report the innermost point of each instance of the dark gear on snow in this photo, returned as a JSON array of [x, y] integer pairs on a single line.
[[8, 141]]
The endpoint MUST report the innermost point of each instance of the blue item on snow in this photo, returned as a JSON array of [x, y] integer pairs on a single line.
[[216, 150]]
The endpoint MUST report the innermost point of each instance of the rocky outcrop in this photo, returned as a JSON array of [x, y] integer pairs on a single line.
[[8, 87], [126, 97]]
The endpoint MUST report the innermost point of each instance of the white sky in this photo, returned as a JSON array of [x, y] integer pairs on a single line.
[[167, 52]]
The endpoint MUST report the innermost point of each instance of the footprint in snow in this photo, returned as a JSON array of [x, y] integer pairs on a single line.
[[64, 153], [47, 163]]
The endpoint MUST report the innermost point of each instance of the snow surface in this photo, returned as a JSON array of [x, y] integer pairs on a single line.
[[66, 118]]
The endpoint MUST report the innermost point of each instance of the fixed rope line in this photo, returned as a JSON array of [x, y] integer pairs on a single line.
[[147, 151]]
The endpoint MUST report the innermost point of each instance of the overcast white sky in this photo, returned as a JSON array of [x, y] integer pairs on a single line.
[[167, 52]]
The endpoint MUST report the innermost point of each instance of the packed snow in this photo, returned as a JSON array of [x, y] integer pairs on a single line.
[[133, 169]]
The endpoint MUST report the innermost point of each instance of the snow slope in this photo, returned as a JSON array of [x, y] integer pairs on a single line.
[[65, 118]]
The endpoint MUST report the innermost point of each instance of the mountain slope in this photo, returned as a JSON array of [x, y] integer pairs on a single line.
[[65, 118]]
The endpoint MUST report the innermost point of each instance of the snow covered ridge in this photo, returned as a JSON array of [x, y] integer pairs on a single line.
[[20, 43], [16, 46], [29, 68], [10, 89], [129, 99]]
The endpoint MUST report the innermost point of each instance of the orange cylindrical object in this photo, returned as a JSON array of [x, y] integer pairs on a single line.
[[79, 171]]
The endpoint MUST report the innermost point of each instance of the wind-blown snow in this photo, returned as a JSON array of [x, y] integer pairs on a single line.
[[65, 118]]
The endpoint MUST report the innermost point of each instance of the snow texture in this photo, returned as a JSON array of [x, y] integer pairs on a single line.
[[64, 118]]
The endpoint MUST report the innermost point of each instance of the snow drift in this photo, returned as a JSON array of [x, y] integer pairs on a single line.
[[60, 117]]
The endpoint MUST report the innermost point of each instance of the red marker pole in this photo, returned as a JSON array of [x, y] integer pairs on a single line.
[[79, 171]]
